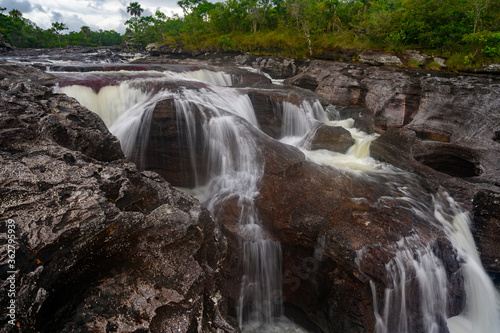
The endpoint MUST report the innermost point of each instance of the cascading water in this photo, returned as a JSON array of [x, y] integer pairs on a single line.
[[235, 168], [413, 260]]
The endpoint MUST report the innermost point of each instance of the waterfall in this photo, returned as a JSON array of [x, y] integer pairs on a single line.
[[234, 170], [233, 165], [413, 259], [299, 121], [216, 78], [481, 313]]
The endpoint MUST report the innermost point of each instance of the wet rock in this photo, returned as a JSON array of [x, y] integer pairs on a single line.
[[99, 246], [332, 138], [486, 227]]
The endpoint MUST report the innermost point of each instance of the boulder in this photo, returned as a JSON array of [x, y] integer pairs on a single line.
[[440, 61], [379, 58], [336, 139], [99, 245]]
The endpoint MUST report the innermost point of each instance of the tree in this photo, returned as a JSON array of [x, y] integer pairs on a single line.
[[478, 7], [134, 8], [15, 13], [57, 27], [85, 30]]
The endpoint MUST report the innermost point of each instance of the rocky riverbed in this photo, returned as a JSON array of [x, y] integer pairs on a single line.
[[104, 247]]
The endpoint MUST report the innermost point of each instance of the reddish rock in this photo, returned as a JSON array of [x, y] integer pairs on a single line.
[[336, 139]]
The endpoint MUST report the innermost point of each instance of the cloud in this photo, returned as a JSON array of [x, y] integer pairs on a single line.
[[75, 22], [95, 4], [39, 8], [22, 6], [56, 17]]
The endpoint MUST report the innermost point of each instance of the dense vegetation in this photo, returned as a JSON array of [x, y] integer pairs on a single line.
[[21, 32], [467, 31]]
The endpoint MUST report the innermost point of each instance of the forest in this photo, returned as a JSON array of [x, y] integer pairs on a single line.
[[467, 32]]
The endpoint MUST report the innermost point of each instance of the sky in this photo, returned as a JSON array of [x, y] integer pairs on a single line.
[[96, 14]]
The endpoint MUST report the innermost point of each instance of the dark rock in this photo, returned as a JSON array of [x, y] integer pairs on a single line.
[[99, 246], [455, 118], [486, 227], [336, 139], [4, 44]]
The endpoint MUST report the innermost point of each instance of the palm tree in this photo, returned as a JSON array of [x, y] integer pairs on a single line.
[[15, 13], [134, 8], [85, 30]]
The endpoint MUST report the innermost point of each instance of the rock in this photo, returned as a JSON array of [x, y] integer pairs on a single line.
[[4, 44], [416, 55], [486, 227], [490, 69], [379, 58], [336, 139], [99, 246], [441, 62], [454, 117], [169, 49]]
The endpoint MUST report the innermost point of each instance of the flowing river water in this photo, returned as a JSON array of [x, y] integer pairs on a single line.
[[235, 167]]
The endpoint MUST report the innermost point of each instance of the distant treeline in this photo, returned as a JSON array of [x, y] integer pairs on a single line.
[[21, 32]]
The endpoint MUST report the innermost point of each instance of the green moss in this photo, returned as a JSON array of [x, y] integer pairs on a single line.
[[413, 63]]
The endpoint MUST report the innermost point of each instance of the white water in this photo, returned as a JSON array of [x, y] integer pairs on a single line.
[[216, 78], [235, 168], [110, 102]]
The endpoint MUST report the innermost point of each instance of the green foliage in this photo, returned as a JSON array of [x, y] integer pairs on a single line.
[[487, 43], [413, 63], [21, 32], [433, 65]]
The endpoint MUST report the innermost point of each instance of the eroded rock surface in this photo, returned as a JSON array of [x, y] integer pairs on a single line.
[[444, 127]]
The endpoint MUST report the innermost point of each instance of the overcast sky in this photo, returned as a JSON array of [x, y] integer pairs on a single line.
[[97, 14]]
